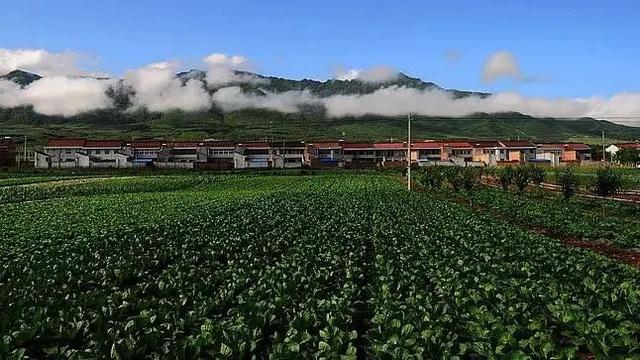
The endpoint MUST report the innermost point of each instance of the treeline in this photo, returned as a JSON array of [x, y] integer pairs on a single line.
[[516, 178]]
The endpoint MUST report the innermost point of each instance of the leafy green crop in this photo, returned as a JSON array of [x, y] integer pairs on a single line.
[[340, 266]]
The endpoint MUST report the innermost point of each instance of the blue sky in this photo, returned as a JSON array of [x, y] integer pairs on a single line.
[[572, 48]]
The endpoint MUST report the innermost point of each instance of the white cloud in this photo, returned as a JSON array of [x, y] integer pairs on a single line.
[[221, 70], [157, 88], [232, 98], [503, 65], [57, 95], [393, 101], [42, 62], [397, 101], [375, 75]]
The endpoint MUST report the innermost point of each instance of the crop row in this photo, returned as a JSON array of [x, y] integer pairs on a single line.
[[323, 266], [572, 218]]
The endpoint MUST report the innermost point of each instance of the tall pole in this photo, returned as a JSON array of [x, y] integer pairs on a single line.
[[409, 152], [603, 152], [25, 148]]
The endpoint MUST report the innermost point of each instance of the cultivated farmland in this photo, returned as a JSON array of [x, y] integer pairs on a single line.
[[332, 266]]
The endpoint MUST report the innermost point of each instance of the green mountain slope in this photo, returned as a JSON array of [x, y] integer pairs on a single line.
[[309, 124]]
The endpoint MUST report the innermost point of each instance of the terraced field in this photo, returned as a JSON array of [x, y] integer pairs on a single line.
[[331, 266]]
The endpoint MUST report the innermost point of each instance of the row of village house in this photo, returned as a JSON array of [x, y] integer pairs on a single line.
[[212, 154]]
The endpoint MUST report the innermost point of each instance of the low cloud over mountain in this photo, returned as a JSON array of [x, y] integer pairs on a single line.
[[61, 87]]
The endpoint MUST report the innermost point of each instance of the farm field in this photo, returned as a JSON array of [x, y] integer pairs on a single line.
[[587, 219], [586, 175], [333, 266]]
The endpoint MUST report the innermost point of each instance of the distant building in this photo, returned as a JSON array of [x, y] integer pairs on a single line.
[[391, 154], [359, 155], [219, 154], [426, 152], [287, 154], [520, 151], [563, 152], [252, 155], [324, 154], [69, 153], [489, 152], [372, 155], [457, 151], [614, 148]]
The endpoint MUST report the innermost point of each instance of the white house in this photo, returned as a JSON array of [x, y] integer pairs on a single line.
[[69, 153], [252, 155]]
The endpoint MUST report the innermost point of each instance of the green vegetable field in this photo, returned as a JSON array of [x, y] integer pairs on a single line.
[[334, 266]]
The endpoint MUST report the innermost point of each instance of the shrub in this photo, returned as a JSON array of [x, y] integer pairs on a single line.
[[431, 176], [521, 176], [568, 182], [506, 177], [607, 182], [627, 156], [537, 174]]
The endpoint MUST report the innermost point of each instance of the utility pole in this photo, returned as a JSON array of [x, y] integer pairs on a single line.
[[282, 154], [25, 148], [604, 155], [409, 152]]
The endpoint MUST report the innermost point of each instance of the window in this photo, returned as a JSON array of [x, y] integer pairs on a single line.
[[213, 152], [146, 151], [97, 152]]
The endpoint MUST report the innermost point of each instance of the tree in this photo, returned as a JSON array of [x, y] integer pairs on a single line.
[[568, 182], [431, 176], [627, 156], [607, 182], [506, 177], [537, 174], [521, 177], [470, 178]]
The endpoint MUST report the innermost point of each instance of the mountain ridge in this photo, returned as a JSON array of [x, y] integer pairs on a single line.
[[312, 124]]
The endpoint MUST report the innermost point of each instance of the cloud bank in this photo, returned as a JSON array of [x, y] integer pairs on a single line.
[[222, 70], [42, 62], [58, 95], [156, 87]]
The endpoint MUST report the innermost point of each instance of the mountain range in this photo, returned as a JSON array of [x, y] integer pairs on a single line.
[[310, 123]]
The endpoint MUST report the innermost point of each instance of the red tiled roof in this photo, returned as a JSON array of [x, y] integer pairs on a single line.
[[255, 145], [103, 144], [486, 144], [629, 146], [70, 143], [458, 144], [357, 146], [518, 144], [146, 144], [563, 146], [551, 146], [427, 145], [390, 145], [184, 144], [577, 146], [219, 143], [325, 145]]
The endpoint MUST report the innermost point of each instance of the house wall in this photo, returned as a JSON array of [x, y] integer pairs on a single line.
[[60, 155], [41, 161]]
